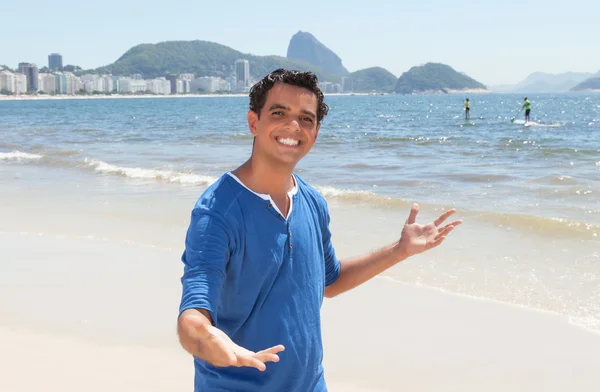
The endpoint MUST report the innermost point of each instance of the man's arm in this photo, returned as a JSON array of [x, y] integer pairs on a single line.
[[192, 326], [414, 239], [201, 339], [356, 271], [205, 258]]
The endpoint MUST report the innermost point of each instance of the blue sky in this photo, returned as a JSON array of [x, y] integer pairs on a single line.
[[495, 42]]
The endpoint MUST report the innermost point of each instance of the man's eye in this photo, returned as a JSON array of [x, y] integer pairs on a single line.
[[308, 119], [278, 113]]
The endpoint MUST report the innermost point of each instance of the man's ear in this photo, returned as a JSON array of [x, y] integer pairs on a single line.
[[317, 131], [253, 122]]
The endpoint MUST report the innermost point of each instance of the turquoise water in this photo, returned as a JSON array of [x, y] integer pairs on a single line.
[[372, 147], [530, 196]]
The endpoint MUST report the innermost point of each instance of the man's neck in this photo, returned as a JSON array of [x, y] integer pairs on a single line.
[[263, 178]]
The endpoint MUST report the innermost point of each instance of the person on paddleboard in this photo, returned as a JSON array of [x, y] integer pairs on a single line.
[[527, 107], [467, 109]]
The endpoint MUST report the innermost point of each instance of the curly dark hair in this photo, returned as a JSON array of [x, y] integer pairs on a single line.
[[307, 80]]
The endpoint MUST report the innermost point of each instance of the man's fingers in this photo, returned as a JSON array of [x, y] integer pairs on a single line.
[[273, 350], [267, 357], [451, 224], [251, 361], [413, 214], [444, 232], [443, 217], [258, 360], [270, 354]]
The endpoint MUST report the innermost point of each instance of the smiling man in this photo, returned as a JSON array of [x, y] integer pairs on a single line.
[[259, 260]]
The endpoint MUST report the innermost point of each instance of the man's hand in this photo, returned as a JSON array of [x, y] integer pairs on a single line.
[[416, 238], [212, 345]]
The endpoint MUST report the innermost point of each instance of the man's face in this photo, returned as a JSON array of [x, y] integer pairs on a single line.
[[287, 128]]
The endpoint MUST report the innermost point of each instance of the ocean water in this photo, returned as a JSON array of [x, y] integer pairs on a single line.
[[529, 195]]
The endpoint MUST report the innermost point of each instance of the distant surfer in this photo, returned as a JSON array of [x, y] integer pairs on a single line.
[[467, 109], [527, 107]]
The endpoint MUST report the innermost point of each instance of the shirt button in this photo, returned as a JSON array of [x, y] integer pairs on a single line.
[[290, 245], [290, 233], [270, 205], [279, 215]]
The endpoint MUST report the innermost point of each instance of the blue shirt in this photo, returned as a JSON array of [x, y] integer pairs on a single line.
[[262, 278]]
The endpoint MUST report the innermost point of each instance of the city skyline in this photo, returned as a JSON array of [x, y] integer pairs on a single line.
[[489, 42], [28, 78]]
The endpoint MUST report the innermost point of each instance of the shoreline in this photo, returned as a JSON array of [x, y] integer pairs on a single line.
[[24, 97]]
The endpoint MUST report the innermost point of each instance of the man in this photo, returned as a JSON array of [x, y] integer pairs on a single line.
[[467, 109], [259, 259], [527, 107]]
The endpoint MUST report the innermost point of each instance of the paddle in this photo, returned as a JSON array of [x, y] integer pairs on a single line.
[[512, 120]]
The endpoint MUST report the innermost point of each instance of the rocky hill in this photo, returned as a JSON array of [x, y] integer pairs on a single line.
[[589, 84], [434, 78], [305, 47], [202, 58], [542, 82], [375, 79]]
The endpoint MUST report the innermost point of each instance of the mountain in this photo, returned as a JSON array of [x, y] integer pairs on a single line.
[[434, 77], [202, 58], [305, 47], [373, 79], [588, 84], [542, 82]]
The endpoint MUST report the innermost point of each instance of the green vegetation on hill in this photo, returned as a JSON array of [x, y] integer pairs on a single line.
[[434, 77], [202, 58], [373, 79], [588, 84]]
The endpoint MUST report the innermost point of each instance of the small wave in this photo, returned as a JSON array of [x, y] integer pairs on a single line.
[[550, 226], [557, 180], [87, 130], [150, 174], [19, 156]]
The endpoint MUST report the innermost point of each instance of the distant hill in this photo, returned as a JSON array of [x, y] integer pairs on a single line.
[[305, 47], [542, 82], [588, 84], [202, 58], [434, 77], [373, 79]]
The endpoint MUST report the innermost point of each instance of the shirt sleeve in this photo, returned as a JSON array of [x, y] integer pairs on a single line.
[[332, 264], [207, 251]]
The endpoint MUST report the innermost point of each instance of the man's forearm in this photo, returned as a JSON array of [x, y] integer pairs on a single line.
[[356, 271], [190, 324]]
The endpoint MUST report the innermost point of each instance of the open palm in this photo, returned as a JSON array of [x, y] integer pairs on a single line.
[[416, 238]]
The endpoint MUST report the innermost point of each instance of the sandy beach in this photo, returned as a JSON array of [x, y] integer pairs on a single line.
[[92, 307], [95, 200]]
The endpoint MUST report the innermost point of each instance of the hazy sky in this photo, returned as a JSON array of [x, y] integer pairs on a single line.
[[500, 41]]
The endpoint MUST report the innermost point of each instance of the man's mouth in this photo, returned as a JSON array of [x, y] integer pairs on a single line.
[[287, 141]]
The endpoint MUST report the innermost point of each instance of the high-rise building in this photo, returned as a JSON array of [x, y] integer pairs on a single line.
[[347, 84], [242, 75], [31, 72], [47, 83], [55, 62], [173, 80]]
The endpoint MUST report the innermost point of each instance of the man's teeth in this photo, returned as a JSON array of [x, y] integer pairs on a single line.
[[288, 141]]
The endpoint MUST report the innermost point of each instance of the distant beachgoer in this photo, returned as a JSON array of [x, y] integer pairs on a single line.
[[259, 260], [467, 109], [527, 107]]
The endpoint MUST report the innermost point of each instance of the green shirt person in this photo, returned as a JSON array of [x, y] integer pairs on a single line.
[[467, 109], [527, 107]]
